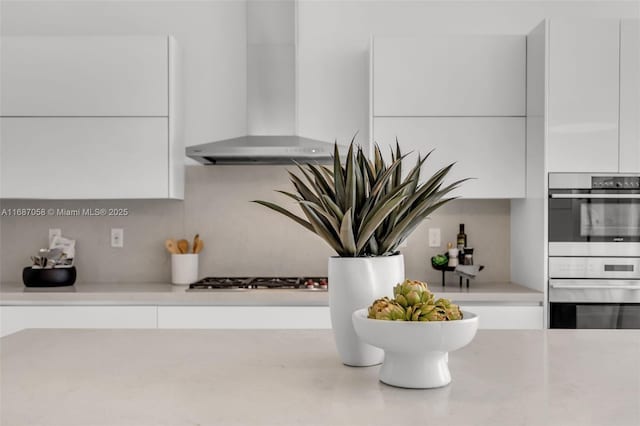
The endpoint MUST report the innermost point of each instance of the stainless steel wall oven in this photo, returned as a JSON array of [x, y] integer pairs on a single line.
[[594, 250]]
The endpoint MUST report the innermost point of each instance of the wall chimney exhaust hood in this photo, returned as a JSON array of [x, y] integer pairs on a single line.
[[271, 96]]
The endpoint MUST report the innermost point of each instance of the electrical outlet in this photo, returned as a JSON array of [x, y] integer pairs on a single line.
[[117, 237], [54, 232], [434, 237]]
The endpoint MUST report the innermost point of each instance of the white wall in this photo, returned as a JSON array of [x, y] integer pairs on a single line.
[[211, 36], [334, 36]]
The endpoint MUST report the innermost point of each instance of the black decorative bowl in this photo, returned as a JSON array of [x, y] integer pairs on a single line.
[[51, 277]]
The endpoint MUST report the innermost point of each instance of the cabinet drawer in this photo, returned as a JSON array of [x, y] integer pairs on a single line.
[[479, 75], [84, 76], [80, 158], [489, 149], [495, 317], [241, 317], [16, 318]]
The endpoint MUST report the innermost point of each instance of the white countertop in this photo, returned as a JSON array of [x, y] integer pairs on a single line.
[[16, 294], [286, 377]]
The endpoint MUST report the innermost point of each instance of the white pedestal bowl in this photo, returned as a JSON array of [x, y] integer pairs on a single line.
[[415, 353]]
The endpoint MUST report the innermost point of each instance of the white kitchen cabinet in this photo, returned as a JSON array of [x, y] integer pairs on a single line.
[[583, 98], [90, 118], [16, 318], [106, 157], [489, 149], [449, 75], [630, 95], [84, 76], [244, 317], [495, 317]]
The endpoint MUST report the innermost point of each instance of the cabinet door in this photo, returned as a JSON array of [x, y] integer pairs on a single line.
[[16, 318], [84, 158], [455, 75], [240, 317], [84, 76], [496, 317], [583, 96], [489, 149], [630, 95]]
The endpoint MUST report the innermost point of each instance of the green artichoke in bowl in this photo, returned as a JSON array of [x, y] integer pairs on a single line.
[[386, 309], [410, 292], [414, 302]]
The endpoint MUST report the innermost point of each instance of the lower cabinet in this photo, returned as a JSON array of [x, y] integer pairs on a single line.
[[16, 318], [261, 317], [496, 317]]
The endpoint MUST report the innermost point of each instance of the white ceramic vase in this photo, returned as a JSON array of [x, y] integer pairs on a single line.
[[354, 283]]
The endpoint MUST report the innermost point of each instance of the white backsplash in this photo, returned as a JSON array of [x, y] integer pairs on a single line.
[[241, 238]]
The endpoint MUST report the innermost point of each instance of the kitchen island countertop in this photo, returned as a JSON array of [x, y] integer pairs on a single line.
[[159, 294], [293, 377]]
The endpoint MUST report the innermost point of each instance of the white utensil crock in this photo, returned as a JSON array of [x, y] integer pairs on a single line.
[[354, 283], [184, 268]]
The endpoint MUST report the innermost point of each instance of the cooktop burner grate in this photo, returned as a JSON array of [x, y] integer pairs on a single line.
[[247, 283]]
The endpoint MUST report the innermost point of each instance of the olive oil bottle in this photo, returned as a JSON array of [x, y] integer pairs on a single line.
[[461, 242]]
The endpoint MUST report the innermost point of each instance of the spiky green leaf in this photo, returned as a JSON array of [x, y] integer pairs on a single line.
[[346, 234]]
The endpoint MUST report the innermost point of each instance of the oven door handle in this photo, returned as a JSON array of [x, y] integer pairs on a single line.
[[608, 196], [595, 287]]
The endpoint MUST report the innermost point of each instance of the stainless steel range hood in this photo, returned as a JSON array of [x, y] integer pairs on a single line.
[[271, 96], [262, 150]]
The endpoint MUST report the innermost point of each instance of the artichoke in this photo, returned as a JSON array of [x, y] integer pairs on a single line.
[[385, 309], [425, 312], [452, 311], [410, 293], [377, 306], [414, 302]]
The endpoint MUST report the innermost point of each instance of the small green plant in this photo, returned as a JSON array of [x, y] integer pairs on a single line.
[[365, 208]]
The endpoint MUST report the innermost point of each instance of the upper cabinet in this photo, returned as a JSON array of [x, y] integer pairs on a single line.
[[84, 76], [593, 111], [583, 96], [90, 118], [462, 95], [489, 150], [456, 75], [630, 95]]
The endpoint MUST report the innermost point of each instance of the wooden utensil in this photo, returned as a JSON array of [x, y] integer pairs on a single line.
[[195, 242], [199, 246], [171, 246], [183, 246]]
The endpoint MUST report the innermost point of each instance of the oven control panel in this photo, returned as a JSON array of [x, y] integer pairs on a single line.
[[615, 182], [594, 267]]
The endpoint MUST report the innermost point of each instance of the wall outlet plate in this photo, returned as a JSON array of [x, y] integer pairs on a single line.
[[434, 237], [117, 237]]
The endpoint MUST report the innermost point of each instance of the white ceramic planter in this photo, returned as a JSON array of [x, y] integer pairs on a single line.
[[354, 283], [416, 353]]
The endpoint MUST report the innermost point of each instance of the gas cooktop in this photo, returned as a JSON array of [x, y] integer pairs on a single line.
[[260, 283]]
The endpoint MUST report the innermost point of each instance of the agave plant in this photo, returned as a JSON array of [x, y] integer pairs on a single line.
[[365, 208]]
